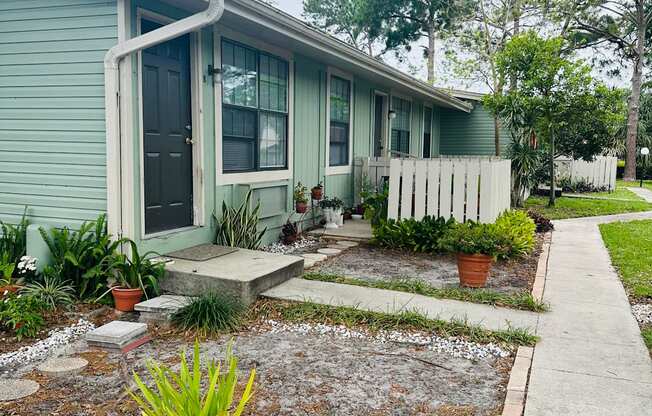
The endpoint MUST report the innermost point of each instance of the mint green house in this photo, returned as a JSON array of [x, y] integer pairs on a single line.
[[156, 111]]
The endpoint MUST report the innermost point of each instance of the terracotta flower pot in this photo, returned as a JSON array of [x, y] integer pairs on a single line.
[[473, 269], [301, 207], [126, 299], [9, 289], [317, 193]]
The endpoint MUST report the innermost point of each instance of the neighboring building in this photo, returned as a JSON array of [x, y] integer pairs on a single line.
[[258, 101]]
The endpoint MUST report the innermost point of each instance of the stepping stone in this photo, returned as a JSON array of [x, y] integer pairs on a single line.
[[118, 335], [329, 251], [14, 389], [308, 263], [345, 243], [337, 247], [59, 367], [314, 257], [160, 308]]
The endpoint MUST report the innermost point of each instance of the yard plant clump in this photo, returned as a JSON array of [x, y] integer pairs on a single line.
[[210, 313], [410, 234], [238, 227]]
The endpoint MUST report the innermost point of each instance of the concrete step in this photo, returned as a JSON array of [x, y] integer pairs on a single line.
[[244, 274], [160, 308]]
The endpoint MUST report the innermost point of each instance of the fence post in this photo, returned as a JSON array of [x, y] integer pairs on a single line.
[[394, 187]]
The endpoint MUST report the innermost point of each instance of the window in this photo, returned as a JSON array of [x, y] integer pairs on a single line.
[[254, 109], [401, 125], [427, 131], [340, 119]]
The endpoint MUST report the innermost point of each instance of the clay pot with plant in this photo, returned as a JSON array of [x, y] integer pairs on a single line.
[[300, 200], [289, 232], [477, 246], [317, 192], [135, 276]]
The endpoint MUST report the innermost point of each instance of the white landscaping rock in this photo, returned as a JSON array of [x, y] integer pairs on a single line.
[[329, 251], [41, 349], [643, 313], [14, 389], [59, 367]]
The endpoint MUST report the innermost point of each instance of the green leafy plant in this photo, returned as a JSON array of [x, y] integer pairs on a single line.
[[239, 227], [410, 234], [374, 204], [181, 394], [52, 292], [22, 314], [13, 245], [7, 268], [82, 257], [332, 203], [300, 191], [520, 231], [209, 313], [476, 238], [136, 271]]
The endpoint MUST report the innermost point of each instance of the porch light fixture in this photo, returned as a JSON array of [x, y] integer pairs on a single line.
[[392, 114], [216, 73]]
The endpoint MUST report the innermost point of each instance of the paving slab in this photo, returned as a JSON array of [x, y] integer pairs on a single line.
[[163, 304], [591, 360], [62, 366], [329, 251], [14, 389], [117, 332], [316, 257], [346, 243], [390, 301]]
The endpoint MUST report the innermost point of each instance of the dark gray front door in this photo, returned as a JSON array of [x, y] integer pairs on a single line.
[[167, 133]]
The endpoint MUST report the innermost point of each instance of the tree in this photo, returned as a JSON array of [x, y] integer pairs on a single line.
[[403, 22], [555, 100], [346, 19], [626, 25]]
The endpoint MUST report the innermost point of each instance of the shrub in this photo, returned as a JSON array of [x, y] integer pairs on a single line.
[[542, 222], [410, 234], [52, 292], [476, 238], [136, 271], [181, 393], [333, 203], [22, 314], [82, 257], [239, 227], [209, 313], [13, 245], [579, 186], [520, 231], [374, 204]]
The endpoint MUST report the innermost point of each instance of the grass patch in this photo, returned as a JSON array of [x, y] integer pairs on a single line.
[[646, 184], [209, 313], [523, 300], [630, 247], [376, 321], [620, 193], [647, 337], [578, 207]]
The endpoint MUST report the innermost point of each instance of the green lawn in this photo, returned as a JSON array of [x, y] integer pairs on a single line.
[[630, 248], [646, 183], [577, 207], [620, 193]]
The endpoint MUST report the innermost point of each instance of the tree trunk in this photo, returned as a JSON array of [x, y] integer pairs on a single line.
[[516, 14], [431, 55], [551, 199], [497, 134], [634, 102]]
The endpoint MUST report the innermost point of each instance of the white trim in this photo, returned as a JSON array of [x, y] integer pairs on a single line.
[[348, 168], [196, 120], [385, 123], [263, 175]]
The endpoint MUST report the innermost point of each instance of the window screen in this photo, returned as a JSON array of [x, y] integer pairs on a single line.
[[340, 118], [400, 136]]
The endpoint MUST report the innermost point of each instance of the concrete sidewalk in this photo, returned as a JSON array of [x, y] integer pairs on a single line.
[[644, 193], [591, 359], [390, 301]]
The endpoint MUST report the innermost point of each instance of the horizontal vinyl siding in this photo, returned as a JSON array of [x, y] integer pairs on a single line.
[[52, 130], [468, 133]]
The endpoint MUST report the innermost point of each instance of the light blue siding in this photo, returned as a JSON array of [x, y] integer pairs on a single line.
[[52, 131], [469, 133]]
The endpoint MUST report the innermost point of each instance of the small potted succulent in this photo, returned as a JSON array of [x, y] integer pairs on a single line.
[[300, 200], [317, 192], [134, 276], [289, 232], [477, 245], [332, 208]]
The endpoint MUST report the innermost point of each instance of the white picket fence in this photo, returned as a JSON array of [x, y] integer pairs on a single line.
[[599, 173], [475, 189]]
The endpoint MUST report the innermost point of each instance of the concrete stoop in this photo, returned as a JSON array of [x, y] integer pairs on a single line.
[[160, 308], [243, 274]]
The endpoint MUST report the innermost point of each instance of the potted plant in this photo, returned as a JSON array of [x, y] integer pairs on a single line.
[[134, 277], [300, 200], [289, 232], [477, 245], [317, 192], [348, 214], [332, 208], [358, 212]]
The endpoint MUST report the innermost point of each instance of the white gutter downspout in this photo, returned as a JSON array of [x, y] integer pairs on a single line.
[[212, 14]]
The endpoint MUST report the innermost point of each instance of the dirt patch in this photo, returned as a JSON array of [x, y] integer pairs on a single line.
[[373, 263], [297, 374]]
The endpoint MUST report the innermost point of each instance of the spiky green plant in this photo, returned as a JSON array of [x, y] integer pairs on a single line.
[[181, 394], [51, 292], [13, 242], [239, 227], [136, 271], [209, 313]]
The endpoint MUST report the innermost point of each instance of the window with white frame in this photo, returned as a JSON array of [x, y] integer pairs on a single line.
[[400, 135], [254, 109], [340, 120]]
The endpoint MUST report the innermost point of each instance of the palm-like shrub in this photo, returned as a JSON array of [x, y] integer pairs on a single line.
[[209, 313], [13, 245], [239, 227], [136, 271], [52, 292], [181, 394]]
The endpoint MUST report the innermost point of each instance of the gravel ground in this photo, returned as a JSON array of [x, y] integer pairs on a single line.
[[300, 371], [374, 263], [643, 313]]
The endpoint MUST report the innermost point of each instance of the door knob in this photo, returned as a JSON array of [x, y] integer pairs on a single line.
[[189, 140]]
